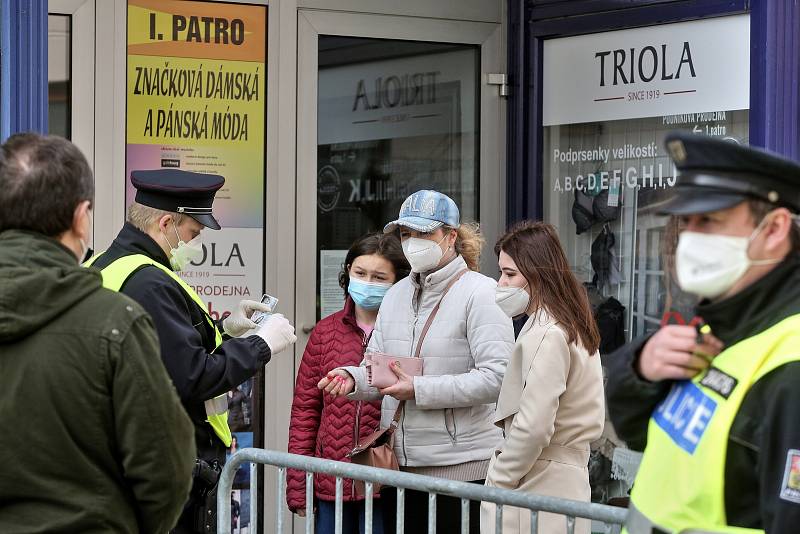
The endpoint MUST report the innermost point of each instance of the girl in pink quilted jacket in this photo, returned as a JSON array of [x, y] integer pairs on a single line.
[[325, 426]]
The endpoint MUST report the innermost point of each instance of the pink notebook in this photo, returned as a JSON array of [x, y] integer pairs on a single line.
[[380, 375]]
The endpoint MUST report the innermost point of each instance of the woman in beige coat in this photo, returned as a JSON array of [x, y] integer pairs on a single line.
[[551, 403]]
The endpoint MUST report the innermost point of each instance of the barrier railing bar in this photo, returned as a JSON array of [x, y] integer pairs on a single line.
[[309, 503], [401, 510], [534, 522], [339, 505], [400, 479], [570, 525], [281, 497], [431, 513], [253, 496], [464, 516], [498, 519], [368, 507]]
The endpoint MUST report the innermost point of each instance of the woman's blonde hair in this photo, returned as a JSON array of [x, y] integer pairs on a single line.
[[469, 243]]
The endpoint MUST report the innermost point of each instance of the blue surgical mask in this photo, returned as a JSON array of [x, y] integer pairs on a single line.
[[368, 295]]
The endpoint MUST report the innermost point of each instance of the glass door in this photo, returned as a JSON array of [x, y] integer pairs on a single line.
[[393, 117], [392, 112]]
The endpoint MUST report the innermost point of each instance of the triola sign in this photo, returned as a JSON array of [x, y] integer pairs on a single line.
[[648, 64], [687, 67]]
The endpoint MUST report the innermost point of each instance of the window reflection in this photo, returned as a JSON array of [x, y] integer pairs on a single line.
[[394, 117], [614, 190]]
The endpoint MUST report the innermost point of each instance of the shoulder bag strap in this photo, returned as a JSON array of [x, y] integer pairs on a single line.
[[425, 329], [435, 310]]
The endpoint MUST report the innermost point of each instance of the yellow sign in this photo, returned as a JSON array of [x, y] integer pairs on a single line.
[[196, 94]]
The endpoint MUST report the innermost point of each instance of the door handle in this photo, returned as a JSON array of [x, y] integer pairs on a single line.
[[307, 329]]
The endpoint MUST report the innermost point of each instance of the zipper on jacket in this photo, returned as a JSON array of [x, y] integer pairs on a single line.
[[403, 441], [357, 426], [454, 434], [356, 431], [415, 306]]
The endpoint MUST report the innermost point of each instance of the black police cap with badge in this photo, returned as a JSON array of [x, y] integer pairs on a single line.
[[717, 174], [189, 193]]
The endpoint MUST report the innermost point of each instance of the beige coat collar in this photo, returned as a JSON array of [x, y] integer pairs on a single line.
[[528, 342]]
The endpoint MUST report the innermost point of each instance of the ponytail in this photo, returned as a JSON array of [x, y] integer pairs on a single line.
[[469, 243]]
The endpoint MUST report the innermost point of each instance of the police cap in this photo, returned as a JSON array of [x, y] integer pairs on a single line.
[[190, 193], [717, 174]]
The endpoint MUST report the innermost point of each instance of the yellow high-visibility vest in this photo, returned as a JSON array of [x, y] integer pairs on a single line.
[[114, 276], [681, 481]]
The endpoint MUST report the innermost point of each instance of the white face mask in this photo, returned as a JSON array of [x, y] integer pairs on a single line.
[[185, 253], [709, 265], [512, 300], [422, 254]]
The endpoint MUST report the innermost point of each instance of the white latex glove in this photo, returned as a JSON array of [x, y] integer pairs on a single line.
[[277, 332], [238, 322]]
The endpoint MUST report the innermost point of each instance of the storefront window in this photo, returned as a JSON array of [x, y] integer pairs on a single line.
[[609, 101], [604, 206], [394, 117]]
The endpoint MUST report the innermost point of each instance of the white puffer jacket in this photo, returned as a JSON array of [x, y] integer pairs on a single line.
[[465, 353]]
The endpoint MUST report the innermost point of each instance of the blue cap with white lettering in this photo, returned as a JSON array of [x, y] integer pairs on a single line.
[[425, 211]]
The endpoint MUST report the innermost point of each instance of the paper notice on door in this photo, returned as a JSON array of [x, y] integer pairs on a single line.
[[331, 296]]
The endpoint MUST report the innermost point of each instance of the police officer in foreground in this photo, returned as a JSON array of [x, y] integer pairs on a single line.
[[716, 409], [204, 359]]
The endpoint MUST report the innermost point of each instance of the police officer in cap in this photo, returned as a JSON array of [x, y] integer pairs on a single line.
[[205, 360], [715, 407]]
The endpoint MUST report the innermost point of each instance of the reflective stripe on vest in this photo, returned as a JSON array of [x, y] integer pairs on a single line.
[[681, 482], [114, 276]]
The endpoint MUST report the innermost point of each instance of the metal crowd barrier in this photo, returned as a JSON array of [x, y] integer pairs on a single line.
[[610, 515]]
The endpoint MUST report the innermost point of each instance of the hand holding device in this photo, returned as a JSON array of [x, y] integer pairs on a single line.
[[243, 317]]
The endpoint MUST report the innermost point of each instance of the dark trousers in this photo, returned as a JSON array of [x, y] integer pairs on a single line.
[[352, 517], [448, 512]]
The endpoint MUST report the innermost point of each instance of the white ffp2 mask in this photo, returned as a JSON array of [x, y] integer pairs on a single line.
[[709, 265], [422, 254], [184, 253], [514, 301]]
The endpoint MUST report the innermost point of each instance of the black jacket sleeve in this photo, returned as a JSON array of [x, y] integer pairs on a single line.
[[631, 399], [198, 374], [780, 434]]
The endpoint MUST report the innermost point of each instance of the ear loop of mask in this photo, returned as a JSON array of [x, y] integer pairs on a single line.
[[85, 248], [174, 227], [442, 239], [448, 246], [167, 239]]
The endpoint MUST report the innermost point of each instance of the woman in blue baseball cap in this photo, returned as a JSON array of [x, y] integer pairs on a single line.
[[445, 313]]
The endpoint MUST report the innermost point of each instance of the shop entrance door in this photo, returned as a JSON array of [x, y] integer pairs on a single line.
[[387, 106]]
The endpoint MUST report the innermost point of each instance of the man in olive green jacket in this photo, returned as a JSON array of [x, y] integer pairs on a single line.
[[92, 434]]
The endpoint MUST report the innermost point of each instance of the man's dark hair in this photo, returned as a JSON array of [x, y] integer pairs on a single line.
[[43, 178]]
